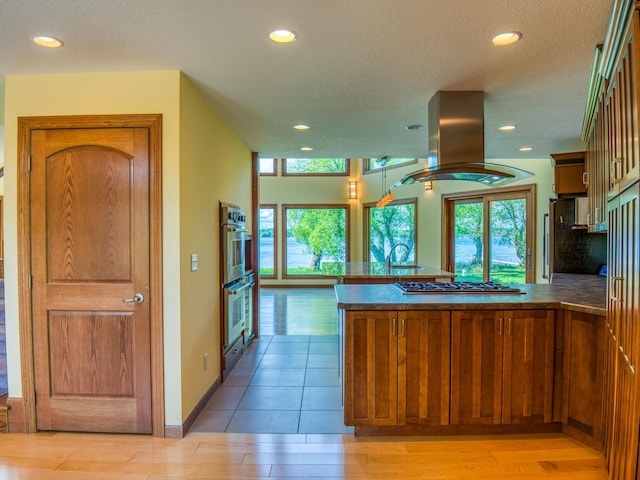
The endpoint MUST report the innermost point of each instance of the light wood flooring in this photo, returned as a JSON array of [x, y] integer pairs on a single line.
[[64, 456], [296, 456]]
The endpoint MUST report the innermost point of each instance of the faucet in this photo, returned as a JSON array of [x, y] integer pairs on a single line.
[[391, 253]]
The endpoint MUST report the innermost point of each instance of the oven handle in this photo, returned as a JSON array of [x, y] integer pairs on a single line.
[[235, 291], [233, 228]]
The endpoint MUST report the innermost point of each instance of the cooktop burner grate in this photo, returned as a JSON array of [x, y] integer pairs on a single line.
[[454, 287]]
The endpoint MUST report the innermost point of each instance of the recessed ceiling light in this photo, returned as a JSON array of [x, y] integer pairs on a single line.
[[526, 149], [415, 126], [301, 126], [283, 36], [46, 41], [306, 149], [506, 128], [507, 38]]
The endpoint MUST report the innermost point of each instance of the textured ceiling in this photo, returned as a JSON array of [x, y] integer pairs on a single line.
[[360, 71]]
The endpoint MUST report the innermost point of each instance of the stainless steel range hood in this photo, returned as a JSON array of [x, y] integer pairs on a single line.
[[456, 143]]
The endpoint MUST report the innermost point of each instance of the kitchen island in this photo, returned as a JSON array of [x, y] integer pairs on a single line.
[[380, 272], [473, 363]]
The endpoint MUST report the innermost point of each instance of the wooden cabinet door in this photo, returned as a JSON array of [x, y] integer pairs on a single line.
[[584, 363], [476, 366], [527, 367], [370, 368], [624, 162], [622, 420], [423, 367]]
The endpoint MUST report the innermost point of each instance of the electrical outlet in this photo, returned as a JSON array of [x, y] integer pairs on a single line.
[[206, 361]]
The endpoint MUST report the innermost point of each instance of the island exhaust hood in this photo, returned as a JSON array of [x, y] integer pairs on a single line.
[[456, 143]]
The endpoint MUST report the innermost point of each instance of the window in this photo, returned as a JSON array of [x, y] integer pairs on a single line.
[[375, 164], [387, 226], [267, 241], [315, 166], [490, 236], [268, 166], [314, 235]]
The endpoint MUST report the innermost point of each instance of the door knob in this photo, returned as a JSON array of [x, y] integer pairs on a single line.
[[137, 298]]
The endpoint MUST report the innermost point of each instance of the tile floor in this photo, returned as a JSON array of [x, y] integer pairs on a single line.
[[283, 384], [288, 381]]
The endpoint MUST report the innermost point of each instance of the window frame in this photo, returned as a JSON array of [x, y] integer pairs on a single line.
[[285, 173], [366, 240], [366, 164], [274, 208], [285, 207], [449, 201], [274, 161]]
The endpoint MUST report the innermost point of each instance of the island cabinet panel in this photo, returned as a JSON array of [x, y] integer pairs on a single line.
[[502, 365], [476, 366], [424, 361], [370, 368], [396, 368], [584, 364]]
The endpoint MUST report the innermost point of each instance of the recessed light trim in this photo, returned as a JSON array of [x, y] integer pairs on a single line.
[[47, 41], [506, 128], [301, 126], [306, 149], [526, 149], [506, 38], [283, 35]]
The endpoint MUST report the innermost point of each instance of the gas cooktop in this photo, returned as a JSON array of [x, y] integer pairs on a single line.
[[454, 287]]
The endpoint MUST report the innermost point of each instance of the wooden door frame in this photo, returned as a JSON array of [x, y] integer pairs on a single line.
[[153, 122]]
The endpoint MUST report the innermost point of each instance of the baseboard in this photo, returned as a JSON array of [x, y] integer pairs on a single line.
[[583, 437], [174, 431], [16, 415], [4, 420]]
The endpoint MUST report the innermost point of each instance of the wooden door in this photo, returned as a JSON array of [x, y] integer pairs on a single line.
[[424, 359], [370, 368], [476, 366], [90, 255], [527, 366]]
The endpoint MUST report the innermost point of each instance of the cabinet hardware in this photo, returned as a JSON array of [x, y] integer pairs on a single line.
[[585, 178], [616, 166], [402, 327], [393, 327], [500, 327], [509, 326], [614, 293]]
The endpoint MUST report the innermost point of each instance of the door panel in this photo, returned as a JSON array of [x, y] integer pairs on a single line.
[[90, 251]]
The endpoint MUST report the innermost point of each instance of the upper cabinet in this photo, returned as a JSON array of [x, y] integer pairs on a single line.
[[569, 173]]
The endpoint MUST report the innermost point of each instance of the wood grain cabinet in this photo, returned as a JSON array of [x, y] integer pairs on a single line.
[[396, 367], [502, 366], [622, 388], [583, 375], [569, 173]]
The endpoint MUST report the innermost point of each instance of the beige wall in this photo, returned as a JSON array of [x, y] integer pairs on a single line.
[[214, 166], [197, 150], [279, 190]]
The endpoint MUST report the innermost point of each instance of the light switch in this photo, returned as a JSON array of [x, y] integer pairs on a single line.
[[194, 262]]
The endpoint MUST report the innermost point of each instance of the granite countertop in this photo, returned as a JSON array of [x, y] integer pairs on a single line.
[[586, 295], [379, 270]]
